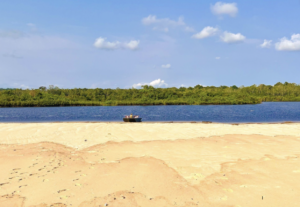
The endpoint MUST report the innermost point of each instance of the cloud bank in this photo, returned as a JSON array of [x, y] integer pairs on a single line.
[[232, 38], [221, 8], [289, 45], [206, 32], [101, 43], [155, 83]]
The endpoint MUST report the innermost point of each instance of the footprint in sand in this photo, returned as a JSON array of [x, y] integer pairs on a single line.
[[45, 180], [12, 177], [23, 173], [218, 183], [83, 175], [4, 183], [64, 197], [16, 169], [62, 190], [16, 191], [77, 184]]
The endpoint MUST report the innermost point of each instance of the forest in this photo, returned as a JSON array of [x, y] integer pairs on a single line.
[[148, 95]]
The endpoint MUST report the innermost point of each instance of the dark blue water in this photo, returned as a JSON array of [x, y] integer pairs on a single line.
[[265, 112]]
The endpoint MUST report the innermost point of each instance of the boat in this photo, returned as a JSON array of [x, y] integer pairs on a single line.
[[132, 118]]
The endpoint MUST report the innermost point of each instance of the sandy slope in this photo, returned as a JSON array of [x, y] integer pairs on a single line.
[[149, 165]]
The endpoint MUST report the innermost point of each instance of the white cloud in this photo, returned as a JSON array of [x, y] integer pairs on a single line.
[[101, 43], [218, 58], [266, 44], [151, 19], [164, 24], [206, 32], [221, 8], [132, 45], [232, 38], [155, 83], [166, 66], [158, 83], [289, 45]]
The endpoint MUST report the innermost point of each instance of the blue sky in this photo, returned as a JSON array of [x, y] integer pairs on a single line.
[[165, 43]]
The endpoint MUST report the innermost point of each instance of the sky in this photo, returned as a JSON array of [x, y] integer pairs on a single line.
[[163, 43]]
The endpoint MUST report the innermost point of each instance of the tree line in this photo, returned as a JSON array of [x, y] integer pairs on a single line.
[[148, 95]]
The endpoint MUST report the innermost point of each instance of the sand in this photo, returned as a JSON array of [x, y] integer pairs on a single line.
[[149, 164]]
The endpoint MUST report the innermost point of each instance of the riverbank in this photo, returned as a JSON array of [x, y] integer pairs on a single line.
[[149, 164]]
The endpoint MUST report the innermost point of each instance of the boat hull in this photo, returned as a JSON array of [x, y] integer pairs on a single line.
[[132, 119]]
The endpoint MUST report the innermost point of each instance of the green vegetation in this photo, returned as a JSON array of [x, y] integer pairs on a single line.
[[148, 95]]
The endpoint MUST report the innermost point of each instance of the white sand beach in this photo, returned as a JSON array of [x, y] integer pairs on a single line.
[[149, 164]]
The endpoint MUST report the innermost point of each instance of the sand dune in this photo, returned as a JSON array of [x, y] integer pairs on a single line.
[[149, 165]]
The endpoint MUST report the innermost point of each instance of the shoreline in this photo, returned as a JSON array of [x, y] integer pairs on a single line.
[[154, 122]]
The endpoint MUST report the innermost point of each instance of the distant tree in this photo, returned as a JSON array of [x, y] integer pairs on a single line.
[[223, 87], [198, 86], [149, 95], [145, 87], [43, 88], [182, 88]]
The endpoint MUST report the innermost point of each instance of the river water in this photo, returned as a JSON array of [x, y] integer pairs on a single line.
[[265, 112]]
